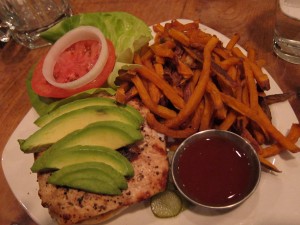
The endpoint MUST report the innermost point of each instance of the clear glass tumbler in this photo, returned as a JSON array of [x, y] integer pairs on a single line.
[[286, 42], [26, 19]]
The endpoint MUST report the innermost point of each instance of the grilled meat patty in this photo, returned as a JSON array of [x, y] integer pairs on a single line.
[[149, 159]]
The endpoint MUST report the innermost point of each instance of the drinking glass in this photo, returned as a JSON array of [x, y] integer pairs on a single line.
[[26, 19], [286, 42]]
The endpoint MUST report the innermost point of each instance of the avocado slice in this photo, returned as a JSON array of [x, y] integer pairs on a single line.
[[81, 103], [111, 134], [89, 176], [74, 120], [96, 185], [58, 158], [92, 169]]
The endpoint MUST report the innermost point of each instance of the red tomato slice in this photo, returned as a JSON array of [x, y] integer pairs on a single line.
[[41, 87]]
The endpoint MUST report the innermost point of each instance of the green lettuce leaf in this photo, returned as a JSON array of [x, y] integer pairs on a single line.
[[127, 32]]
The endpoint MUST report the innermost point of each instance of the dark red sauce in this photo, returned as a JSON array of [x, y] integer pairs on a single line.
[[214, 171]]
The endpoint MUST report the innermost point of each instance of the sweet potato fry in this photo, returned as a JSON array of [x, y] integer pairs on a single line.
[[220, 110], [196, 120], [194, 80], [267, 136], [247, 135], [158, 67], [238, 53], [232, 73], [131, 93], [169, 92], [228, 121], [258, 134], [225, 83], [267, 164], [147, 55], [245, 96], [227, 63], [261, 78], [260, 62], [154, 93], [274, 149], [262, 120], [198, 38], [241, 122], [158, 28], [162, 50], [159, 60], [185, 27], [179, 36], [146, 99], [120, 94], [216, 59], [148, 64], [199, 91], [161, 128], [207, 114], [232, 42], [251, 53], [224, 53], [215, 95], [253, 95], [184, 69]]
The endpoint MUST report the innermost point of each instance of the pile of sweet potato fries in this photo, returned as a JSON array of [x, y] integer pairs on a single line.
[[191, 82]]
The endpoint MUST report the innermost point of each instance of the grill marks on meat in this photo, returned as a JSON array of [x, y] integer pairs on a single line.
[[149, 160]]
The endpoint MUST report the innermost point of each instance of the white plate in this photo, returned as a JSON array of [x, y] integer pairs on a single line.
[[275, 202]]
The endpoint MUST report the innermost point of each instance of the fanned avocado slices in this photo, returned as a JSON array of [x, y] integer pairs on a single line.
[[59, 158], [93, 177], [80, 140]]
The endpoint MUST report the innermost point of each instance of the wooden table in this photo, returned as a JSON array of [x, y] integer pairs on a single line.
[[252, 19]]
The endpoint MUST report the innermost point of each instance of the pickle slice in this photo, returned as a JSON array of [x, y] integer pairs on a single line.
[[166, 204]]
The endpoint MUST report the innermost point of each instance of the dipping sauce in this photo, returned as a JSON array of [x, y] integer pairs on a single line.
[[215, 171]]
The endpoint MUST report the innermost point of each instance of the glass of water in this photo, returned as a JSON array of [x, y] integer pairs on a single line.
[[26, 19], [286, 42]]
